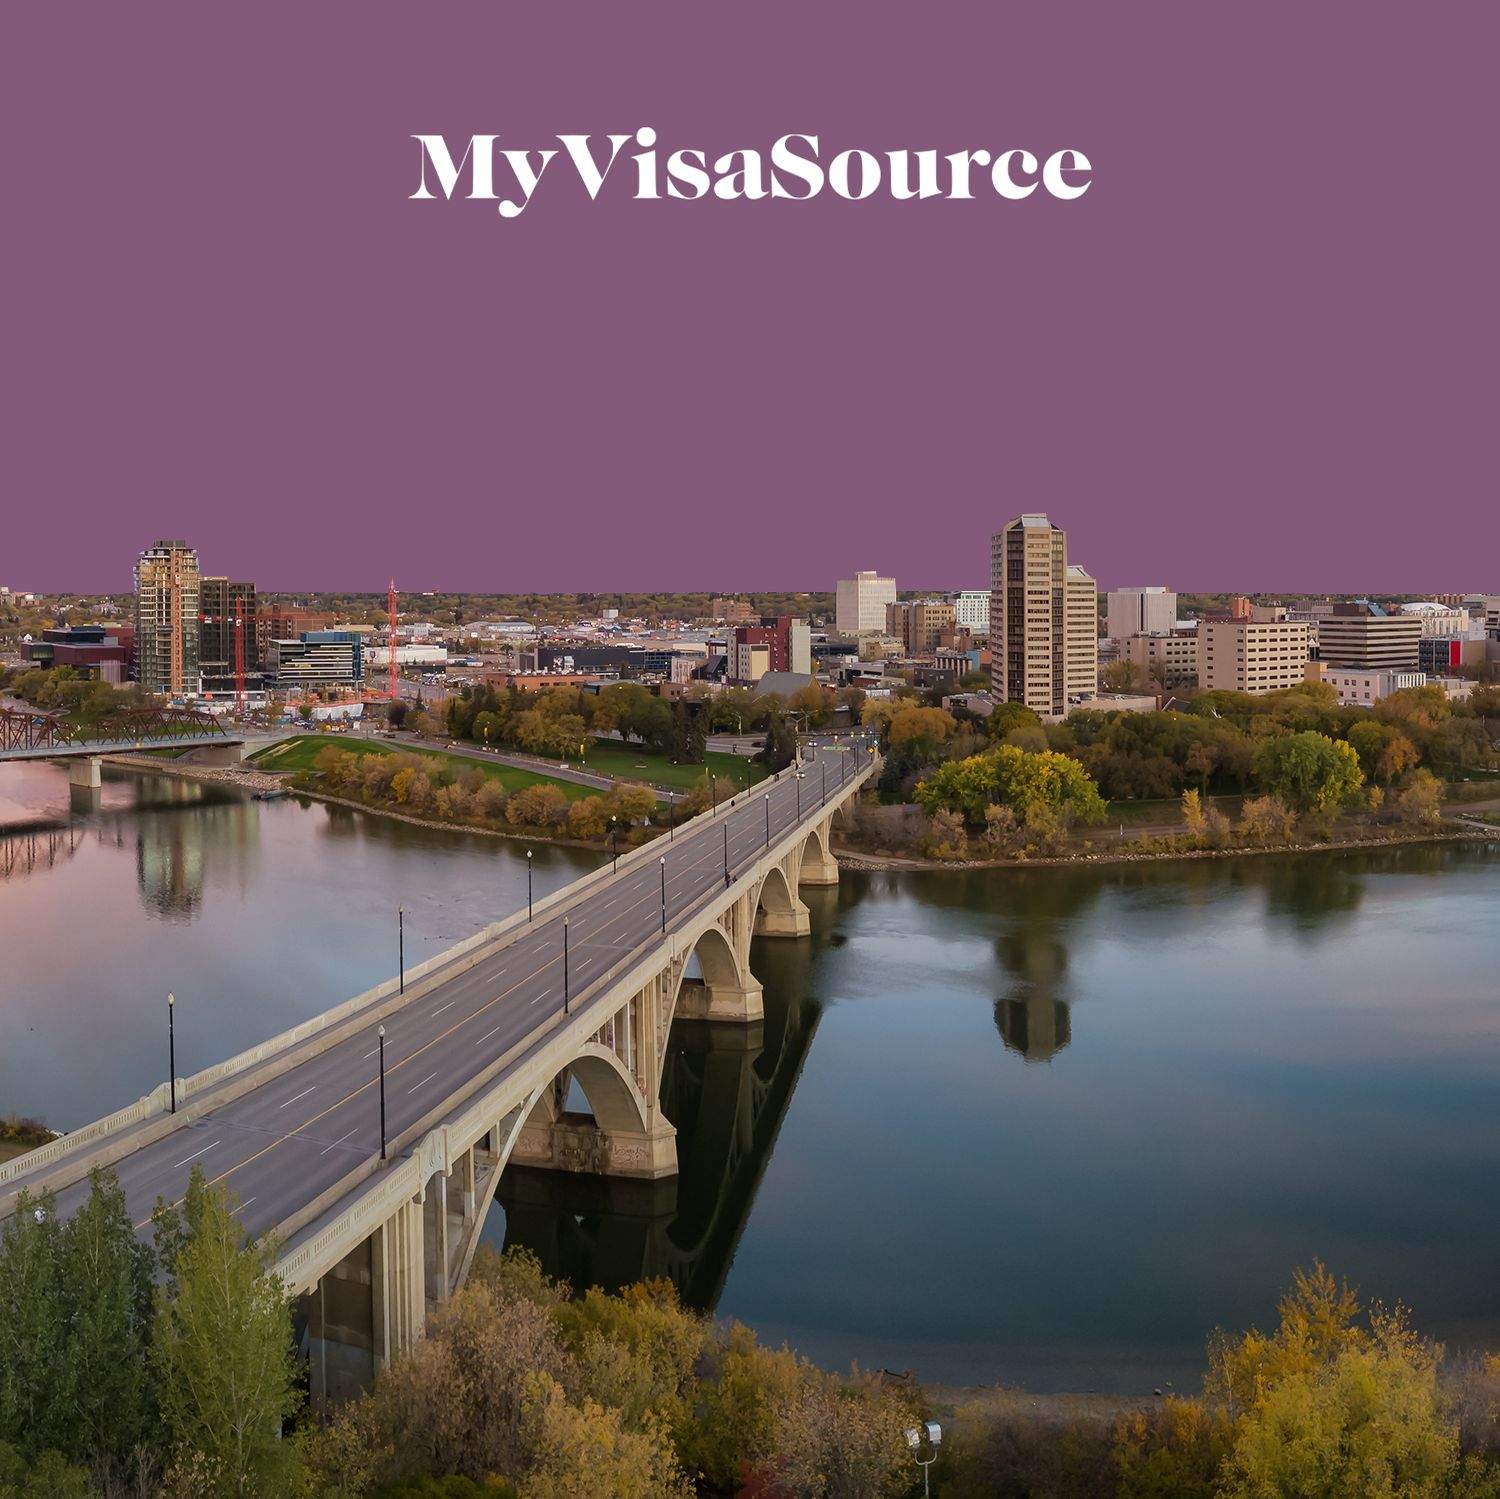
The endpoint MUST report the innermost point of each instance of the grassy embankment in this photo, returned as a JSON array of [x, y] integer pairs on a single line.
[[301, 753], [631, 762]]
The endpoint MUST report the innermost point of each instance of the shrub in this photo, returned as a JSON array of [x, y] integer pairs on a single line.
[[587, 817], [538, 806]]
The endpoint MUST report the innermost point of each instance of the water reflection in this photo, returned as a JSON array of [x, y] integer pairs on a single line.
[[173, 852], [726, 1089], [29, 851]]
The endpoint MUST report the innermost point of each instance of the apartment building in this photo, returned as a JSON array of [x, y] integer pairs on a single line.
[[228, 635], [1362, 634], [971, 610], [1044, 618], [859, 603], [1139, 611], [1172, 659], [920, 623], [1245, 655], [167, 606]]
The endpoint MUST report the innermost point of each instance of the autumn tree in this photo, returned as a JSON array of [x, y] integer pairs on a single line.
[[1310, 772], [222, 1352]]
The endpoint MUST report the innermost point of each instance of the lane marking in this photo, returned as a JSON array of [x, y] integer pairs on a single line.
[[423, 1083], [177, 1165], [298, 1098], [339, 1141], [435, 1013]]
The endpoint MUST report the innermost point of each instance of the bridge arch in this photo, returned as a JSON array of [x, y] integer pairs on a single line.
[[724, 989], [778, 911]]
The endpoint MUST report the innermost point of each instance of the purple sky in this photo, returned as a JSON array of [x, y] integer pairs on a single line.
[[1259, 354]]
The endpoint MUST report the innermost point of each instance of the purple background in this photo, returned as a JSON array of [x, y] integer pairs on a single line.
[[1258, 354]]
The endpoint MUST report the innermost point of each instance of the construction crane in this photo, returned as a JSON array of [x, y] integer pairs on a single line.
[[390, 641]]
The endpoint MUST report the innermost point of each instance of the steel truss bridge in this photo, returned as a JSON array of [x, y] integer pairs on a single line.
[[31, 734]]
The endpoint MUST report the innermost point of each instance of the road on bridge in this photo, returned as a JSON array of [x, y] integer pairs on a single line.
[[281, 1145]]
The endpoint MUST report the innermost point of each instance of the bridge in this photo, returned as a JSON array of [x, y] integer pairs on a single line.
[[32, 734], [480, 1047]]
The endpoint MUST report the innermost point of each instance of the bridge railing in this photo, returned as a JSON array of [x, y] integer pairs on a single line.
[[429, 1142], [101, 1142]]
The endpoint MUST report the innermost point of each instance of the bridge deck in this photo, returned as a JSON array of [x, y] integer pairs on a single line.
[[281, 1144]]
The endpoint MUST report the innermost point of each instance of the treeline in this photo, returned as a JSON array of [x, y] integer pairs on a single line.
[[1010, 784], [61, 689], [429, 787], [141, 1369], [550, 608]]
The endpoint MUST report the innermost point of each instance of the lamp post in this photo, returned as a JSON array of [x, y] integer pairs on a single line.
[[933, 1433], [172, 1048], [381, 1034], [401, 947], [726, 855], [825, 782], [528, 884], [799, 775], [664, 894], [565, 965], [614, 853], [768, 819]]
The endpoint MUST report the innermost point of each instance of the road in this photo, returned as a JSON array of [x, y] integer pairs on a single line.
[[280, 1145], [557, 770]]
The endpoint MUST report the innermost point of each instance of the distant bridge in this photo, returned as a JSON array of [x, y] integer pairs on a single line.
[[479, 1052], [31, 734]]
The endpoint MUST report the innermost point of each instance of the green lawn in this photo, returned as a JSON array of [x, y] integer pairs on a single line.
[[301, 753], [632, 762]]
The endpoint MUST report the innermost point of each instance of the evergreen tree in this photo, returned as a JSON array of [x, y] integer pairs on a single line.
[[105, 1282], [222, 1354], [35, 1387]]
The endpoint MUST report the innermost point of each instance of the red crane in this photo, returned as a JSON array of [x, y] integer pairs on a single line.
[[390, 640]]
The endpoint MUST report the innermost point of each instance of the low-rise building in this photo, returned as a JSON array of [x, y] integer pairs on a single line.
[[1172, 659], [1359, 687], [1255, 656]]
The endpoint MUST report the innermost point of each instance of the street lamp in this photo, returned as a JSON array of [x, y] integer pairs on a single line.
[[381, 1034], [565, 965], [768, 819], [825, 781], [614, 853], [726, 855], [172, 1047], [933, 1433], [799, 775], [664, 894], [528, 884], [401, 946]]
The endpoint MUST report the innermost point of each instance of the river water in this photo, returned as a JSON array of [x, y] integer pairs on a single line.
[[1048, 1126]]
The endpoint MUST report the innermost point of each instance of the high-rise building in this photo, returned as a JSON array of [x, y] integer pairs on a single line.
[[228, 635], [971, 610], [1245, 655], [1362, 634], [1139, 611], [859, 603], [1044, 619], [1171, 658], [166, 619], [754, 650]]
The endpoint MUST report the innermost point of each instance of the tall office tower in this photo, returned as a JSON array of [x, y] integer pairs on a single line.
[[227, 610], [1362, 634], [859, 603], [1139, 611], [167, 607], [1044, 619]]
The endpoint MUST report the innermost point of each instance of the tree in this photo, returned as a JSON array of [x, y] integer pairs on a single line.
[[222, 1352], [780, 746], [395, 713], [50, 1476], [588, 817], [1421, 799], [1038, 787], [631, 803], [843, 1441], [36, 1388], [537, 806], [1310, 772], [105, 1282], [587, 1449]]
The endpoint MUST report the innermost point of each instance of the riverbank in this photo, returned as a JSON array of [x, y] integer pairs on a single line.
[[245, 777], [1093, 855]]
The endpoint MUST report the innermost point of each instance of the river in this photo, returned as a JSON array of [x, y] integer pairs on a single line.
[[1047, 1126]]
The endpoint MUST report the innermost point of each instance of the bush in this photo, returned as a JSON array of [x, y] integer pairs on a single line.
[[490, 799], [587, 817], [538, 806], [1176, 1450]]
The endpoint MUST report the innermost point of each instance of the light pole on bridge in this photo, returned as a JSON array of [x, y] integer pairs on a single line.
[[565, 965], [528, 884], [799, 774], [726, 855], [664, 894], [381, 1034], [401, 947], [768, 819], [172, 1048], [614, 853]]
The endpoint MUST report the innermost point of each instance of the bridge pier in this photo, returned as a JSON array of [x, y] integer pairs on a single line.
[[85, 783], [217, 754], [819, 867], [794, 921], [740, 1003], [579, 1144]]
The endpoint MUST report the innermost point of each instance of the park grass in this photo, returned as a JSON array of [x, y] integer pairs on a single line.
[[633, 762], [302, 752]]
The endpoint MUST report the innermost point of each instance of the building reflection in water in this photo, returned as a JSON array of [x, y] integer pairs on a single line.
[[180, 832], [726, 1089]]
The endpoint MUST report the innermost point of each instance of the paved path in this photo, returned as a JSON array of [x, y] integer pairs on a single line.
[[281, 1144]]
